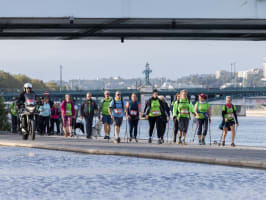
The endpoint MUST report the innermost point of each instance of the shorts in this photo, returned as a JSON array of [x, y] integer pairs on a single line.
[[118, 121], [67, 121], [229, 124], [183, 124], [107, 119]]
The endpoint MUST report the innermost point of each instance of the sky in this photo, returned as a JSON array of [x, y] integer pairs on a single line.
[[88, 59], [91, 59]]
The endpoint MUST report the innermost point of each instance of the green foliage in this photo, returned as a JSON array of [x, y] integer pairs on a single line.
[[4, 126], [14, 82]]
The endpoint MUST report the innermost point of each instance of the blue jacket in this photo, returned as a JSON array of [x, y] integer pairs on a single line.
[[45, 110]]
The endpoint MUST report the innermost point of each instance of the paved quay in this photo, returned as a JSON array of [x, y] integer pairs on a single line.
[[240, 156]]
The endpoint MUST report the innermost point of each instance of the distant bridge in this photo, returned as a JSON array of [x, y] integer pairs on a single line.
[[213, 94]]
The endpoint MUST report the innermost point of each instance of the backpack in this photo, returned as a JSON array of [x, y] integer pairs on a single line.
[[122, 102]]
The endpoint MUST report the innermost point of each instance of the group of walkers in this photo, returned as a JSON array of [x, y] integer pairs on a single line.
[[112, 110]]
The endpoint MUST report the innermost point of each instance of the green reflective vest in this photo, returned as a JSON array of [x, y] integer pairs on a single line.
[[229, 112], [13, 109], [202, 109], [155, 109], [105, 104], [68, 109]]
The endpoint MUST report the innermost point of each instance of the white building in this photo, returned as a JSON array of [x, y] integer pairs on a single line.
[[221, 73], [246, 74]]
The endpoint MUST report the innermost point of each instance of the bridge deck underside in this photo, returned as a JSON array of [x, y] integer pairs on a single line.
[[132, 28]]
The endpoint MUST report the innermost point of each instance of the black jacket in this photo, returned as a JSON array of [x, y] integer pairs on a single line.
[[21, 98], [148, 106], [84, 109]]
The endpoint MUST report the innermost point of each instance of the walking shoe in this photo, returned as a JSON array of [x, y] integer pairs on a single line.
[[203, 142], [233, 145], [107, 137], [118, 140], [159, 141], [184, 142], [130, 139], [89, 137], [162, 140], [150, 141], [223, 143], [179, 141], [200, 142], [136, 140]]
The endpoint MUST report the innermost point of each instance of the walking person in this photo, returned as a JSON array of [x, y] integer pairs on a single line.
[[45, 112], [87, 111], [14, 116], [153, 111], [175, 120], [133, 112], [55, 115], [165, 117], [104, 114], [67, 112], [74, 118], [203, 116], [116, 111], [182, 111], [229, 120]]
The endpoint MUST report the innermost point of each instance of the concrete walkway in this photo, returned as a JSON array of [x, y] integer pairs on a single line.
[[240, 156]]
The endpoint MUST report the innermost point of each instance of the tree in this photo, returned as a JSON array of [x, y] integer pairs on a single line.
[[4, 126]]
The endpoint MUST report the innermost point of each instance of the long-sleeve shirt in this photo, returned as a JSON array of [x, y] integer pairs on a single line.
[[45, 110]]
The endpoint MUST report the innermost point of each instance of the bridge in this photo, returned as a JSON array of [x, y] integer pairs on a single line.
[[213, 94], [130, 20]]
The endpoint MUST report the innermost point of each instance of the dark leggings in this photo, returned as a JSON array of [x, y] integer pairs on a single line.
[[175, 129], [45, 124], [133, 124], [57, 122], [163, 124], [202, 127], [152, 121]]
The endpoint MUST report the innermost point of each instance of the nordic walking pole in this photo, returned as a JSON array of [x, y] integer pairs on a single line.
[[195, 132], [191, 132], [126, 133], [167, 132], [210, 133]]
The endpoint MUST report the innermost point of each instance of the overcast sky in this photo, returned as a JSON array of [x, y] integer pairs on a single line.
[[92, 59]]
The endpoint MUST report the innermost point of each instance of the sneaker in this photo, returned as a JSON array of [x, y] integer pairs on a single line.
[[179, 141], [203, 142], [200, 142], [130, 139], [233, 145], [107, 137], [89, 137], [159, 141], [136, 140], [150, 141], [118, 140], [162, 140], [184, 142], [223, 143]]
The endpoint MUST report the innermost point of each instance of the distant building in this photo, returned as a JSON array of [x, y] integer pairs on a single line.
[[246, 74], [221, 73]]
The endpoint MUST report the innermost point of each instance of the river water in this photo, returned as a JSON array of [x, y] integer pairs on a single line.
[[251, 131], [42, 174]]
